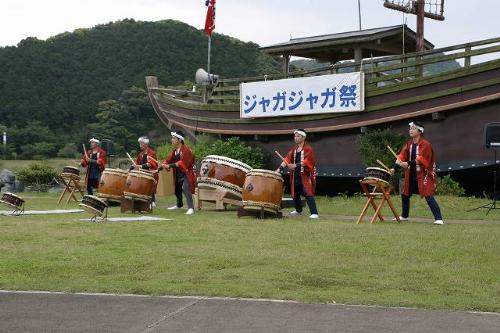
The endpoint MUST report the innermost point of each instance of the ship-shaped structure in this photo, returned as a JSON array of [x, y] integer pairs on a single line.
[[454, 103]]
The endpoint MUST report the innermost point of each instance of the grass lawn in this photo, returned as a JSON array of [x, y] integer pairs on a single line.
[[455, 266]]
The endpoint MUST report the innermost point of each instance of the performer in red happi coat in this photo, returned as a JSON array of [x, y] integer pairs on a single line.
[[94, 160], [181, 161], [417, 159], [302, 165], [147, 160]]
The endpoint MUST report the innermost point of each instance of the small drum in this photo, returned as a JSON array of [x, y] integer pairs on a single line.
[[263, 189], [70, 172], [12, 200], [375, 174], [112, 184], [93, 205], [219, 172], [140, 185]]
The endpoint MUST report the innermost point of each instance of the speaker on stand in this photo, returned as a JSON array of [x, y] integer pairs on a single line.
[[492, 141]]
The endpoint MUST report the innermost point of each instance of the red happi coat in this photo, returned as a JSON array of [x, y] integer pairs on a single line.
[[153, 165], [101, 162], [185, 165], [426, 176], [307, 168]]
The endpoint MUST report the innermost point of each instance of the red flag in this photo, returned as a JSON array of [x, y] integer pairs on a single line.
[[210, 20]]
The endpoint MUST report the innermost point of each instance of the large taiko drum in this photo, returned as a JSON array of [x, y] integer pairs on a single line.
[[112, 184], [263, 189], [12, 200], [139, 185], [93, 204], [377, 174], [70, 172], [219, 172]]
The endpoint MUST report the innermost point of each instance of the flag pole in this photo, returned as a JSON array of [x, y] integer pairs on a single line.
[[209, 50]]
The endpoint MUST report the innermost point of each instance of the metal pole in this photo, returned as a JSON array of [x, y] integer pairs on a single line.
[[4, 145], [209, 50], [359, 13]]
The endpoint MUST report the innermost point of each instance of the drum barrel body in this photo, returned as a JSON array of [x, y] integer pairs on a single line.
[[378, 174], [262, 189], [219, 172], [12, 200], [112, 184], [93, 204], [139, 185], [71, 172]]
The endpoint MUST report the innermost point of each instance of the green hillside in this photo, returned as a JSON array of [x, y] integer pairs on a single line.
[[50, 91]]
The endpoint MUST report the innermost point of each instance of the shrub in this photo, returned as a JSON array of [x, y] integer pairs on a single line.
[[232, 148], [373, 147], [448, 186], [69, 150], [36, 175]]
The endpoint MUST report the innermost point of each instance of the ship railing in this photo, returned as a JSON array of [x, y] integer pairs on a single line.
[[384, 71]]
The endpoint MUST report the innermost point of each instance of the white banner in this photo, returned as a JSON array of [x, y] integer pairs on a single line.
[[300, 96]]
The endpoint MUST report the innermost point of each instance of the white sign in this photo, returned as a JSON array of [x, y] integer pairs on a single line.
[[4, 138], [302, 96]]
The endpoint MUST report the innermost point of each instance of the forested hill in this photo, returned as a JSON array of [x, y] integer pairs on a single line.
[[50, 90]]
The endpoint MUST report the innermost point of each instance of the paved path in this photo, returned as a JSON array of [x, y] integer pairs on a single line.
[[57, 312]]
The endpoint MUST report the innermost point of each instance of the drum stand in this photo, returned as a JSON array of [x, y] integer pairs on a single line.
[[18, 210], [97, 218], [261, 214], [135, 205], [218, 196], [71, 184], [381, 190]]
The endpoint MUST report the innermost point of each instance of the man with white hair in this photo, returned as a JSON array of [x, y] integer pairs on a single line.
[[94, 160], [147, 160], [417, 159], [181, 161], [302, 165]]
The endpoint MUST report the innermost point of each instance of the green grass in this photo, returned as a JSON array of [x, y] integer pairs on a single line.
[[211, 253]]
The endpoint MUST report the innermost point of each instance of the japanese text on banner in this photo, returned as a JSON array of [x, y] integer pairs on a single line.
[[299, 96]]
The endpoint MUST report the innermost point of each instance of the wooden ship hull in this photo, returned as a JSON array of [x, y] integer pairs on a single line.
[[453, 105]]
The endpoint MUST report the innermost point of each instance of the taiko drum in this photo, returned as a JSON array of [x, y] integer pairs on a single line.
[[220, 172], [93, 204], [139, 185], [11, 200], [263, 189], [377, 174], [112, 184]]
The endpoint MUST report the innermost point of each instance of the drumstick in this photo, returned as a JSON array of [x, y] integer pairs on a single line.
[[151, 158], [84, 150], [282, 158], [385, 166], [392, 151], [130, 158]]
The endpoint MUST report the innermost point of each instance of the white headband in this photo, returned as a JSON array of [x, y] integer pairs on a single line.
[[94, 140], [177, 135], [300, 132], [420, 128], [144, 140]]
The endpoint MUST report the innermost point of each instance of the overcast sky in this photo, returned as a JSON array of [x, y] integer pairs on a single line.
[[264, 22]]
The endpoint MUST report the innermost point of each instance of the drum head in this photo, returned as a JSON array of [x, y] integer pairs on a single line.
[[227, 161]]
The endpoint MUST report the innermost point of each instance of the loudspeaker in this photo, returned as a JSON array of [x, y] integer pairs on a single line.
[[202, 77], [492, 135]]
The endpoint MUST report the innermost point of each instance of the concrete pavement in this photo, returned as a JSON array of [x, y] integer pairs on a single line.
[[60, 312]]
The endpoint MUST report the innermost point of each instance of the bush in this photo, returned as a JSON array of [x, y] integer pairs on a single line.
[[373, 146], [448, 186], [69, 150], [36, 175], [232, 148]]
